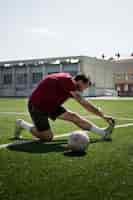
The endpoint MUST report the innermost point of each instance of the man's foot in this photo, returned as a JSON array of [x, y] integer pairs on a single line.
[[109, 131], [18, 129]]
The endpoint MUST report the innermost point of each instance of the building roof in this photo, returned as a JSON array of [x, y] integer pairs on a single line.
[[124, 60], [52, 60]]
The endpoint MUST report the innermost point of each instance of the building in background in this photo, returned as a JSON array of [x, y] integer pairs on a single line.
[[123, 76], [109, 77]]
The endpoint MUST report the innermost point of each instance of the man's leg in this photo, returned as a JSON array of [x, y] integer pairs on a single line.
[[40, 127], [84, 124], [45, 135]]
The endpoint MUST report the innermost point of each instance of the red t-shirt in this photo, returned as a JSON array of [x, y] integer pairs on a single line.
[[52, 91]]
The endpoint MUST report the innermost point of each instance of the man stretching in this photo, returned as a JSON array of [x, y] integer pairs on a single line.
[[46, 102]]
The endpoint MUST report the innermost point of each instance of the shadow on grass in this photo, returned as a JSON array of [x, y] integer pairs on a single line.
[[32, 146], [38, 147], [74, 154]]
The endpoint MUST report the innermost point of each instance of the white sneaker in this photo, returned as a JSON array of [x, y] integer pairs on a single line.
[[18, 129], [109, 131]]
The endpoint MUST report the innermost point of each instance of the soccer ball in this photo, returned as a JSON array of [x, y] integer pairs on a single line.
[[78, 141]]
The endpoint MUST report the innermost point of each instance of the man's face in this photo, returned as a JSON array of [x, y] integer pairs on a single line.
[[81, 86]]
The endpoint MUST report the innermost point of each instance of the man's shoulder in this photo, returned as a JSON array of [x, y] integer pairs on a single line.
[[63, 75]]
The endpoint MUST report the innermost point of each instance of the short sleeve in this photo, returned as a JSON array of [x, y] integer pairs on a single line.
[[68, 84]]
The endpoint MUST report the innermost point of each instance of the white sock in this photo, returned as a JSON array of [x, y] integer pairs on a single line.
[[26, 125], [99, 131]]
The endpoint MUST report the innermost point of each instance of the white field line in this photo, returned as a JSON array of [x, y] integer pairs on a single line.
[[89, 116], [124, 125], [110, 98], [124, 118], [117, 118], [13, 113], [2, 146]]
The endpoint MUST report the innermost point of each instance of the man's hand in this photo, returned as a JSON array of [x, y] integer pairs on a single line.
[[109, 119]]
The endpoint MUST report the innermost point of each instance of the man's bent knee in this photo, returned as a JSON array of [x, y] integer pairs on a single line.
[[44, 135]]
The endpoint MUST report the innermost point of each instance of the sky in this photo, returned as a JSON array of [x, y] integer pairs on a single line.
[[51, 28]]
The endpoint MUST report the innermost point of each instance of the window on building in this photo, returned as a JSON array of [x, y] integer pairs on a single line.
[[117, 76], [120, 76], [36, 77], [21, 78], [73, 73], [52, 72], [126, 77], [126, 87], [7, 79], [131, 76], [118, 88]]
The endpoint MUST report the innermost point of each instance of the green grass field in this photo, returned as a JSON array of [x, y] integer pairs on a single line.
[[41, 171]]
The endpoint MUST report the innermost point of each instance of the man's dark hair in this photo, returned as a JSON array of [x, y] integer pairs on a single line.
[[83, 78]]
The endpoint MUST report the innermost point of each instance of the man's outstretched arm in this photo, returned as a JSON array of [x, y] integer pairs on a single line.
[[90, 107]]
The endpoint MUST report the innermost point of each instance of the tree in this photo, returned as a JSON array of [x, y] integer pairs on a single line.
[[103, 56], [117, 55]]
